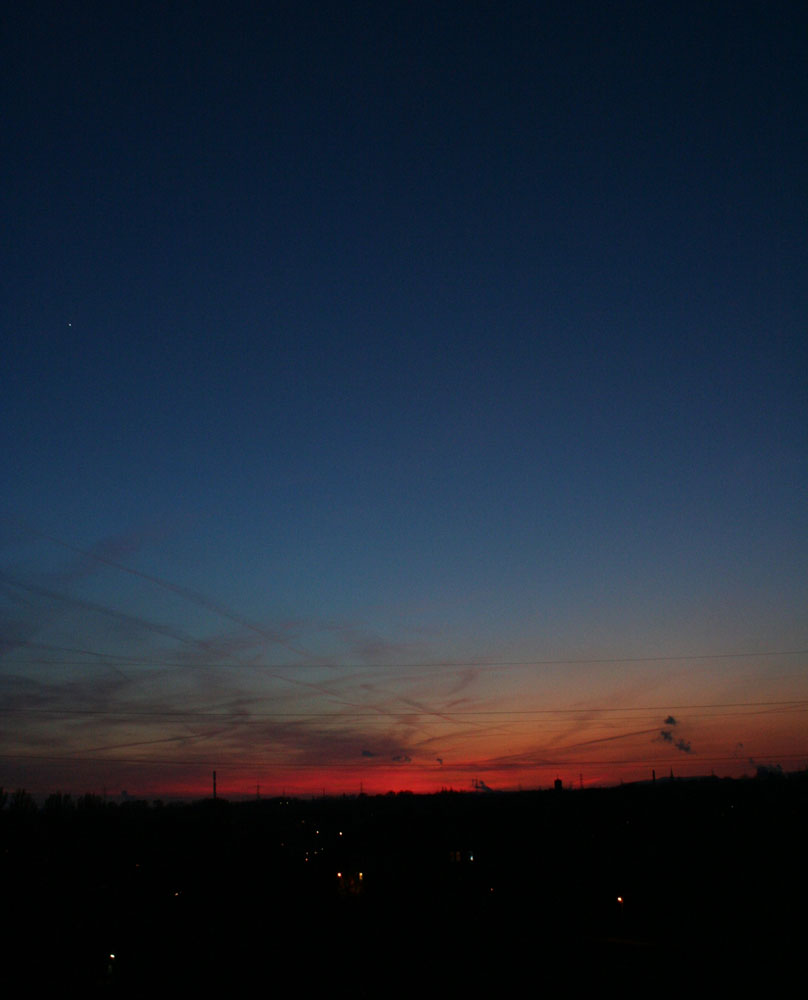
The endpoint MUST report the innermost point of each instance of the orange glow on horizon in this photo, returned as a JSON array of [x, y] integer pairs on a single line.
[[231, 785]]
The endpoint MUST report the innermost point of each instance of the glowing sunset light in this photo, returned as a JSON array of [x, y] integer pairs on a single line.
[[427, 412]]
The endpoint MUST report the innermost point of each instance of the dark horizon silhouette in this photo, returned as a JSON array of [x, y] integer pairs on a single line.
[[391, 893]]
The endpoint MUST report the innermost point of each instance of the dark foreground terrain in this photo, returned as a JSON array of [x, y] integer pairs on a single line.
[[652, 888]]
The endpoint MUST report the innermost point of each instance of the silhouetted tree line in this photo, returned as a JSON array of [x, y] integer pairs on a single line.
[[379, 894]]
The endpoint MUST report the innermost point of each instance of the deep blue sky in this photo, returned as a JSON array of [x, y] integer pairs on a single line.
[[405, 332]]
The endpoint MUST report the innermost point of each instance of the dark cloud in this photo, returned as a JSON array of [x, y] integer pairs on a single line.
[[666, 736], [401, 758], [369, 753]]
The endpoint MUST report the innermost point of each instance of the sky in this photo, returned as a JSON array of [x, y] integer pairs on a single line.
[[402, 395]]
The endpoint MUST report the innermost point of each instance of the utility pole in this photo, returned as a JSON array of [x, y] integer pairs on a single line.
[[214, 784]]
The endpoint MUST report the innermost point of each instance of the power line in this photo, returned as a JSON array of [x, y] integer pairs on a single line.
[[257, 717], [447, 766], [130, 660]]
